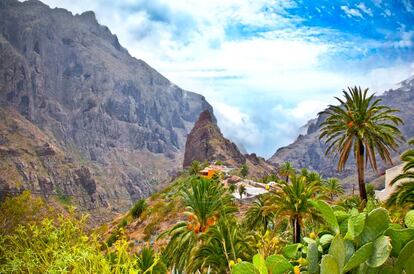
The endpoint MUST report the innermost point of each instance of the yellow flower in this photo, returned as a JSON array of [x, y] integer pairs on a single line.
[[84, 238], [239, 260], [312, 235], [275, 240], [296, 270], [231, 263]]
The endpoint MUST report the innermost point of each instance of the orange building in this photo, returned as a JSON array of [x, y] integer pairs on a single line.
[[208, 173]]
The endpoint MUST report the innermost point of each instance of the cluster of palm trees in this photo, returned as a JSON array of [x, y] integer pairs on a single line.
[[211, 238]]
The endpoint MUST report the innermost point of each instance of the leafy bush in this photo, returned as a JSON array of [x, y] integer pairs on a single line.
[[244, 170], [148, 260], [149, 230], [219, 163], [23, 209], [112, 239], [123, 223], [59, 243], [138, 208], [58, 247]]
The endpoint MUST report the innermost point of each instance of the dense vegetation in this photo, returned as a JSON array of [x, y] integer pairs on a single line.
[[303, 224]]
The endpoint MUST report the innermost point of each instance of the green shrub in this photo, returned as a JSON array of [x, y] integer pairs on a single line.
[[112, 239], [138, 208], [244, 170], [149, 230], [219, 163], [123, 223], [147, 259], [62, 245]]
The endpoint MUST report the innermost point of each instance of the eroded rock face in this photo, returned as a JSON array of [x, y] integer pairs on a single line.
[[69, 77], [206, 143], [308, 151]]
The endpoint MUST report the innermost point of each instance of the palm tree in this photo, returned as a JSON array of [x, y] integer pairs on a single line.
[[206, 202], [195, 167], [333, 188], [286, 170], [223, 243], [292, 201], [242, 190], [360, 123], [259, 214], [244, 170], [404, 194], [147, 259]]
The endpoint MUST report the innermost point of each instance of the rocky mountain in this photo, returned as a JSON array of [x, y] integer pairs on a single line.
[[206, 143], [308, 151], [93, 122]]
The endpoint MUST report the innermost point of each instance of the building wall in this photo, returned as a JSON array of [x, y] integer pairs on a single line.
[[390, 174]]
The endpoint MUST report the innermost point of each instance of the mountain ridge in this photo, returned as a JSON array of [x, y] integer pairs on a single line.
[[308, 151], [111, 113]]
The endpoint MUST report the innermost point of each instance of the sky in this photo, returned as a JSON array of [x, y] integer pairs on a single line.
[[266, 66]]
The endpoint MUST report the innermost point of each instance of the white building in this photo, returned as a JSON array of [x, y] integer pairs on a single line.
[[390, 174]]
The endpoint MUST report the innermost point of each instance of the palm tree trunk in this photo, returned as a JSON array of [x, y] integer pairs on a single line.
[[296, 230], [361, 171]]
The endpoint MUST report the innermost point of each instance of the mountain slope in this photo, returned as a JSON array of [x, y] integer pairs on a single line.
[[308, 151], [70, 78], [206, 143]]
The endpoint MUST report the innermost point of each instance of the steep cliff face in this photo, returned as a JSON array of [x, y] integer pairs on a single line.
[[206, 143], [308, 151], [69, 77]]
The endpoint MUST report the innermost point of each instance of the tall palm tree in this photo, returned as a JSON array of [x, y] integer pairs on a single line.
[[362, 125], [259, 214], [286, 170], [332, 188], [292, 201], [404, 194]]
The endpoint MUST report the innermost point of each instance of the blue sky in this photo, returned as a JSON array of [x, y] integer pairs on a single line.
[[266, 66]]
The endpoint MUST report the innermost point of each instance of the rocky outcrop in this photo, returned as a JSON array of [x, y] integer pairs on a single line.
[[69, 78], [308, 151], [206, 143]]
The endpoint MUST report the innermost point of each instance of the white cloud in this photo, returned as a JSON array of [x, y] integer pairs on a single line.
[[377, 3], [408, 5], [237, 124], [262, 87], [387, 12], [351, 12], [365, 9]]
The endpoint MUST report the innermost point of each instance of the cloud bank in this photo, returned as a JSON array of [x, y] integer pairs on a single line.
[[266, 66]]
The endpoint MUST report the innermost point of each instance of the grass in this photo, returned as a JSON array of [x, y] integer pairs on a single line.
[[138, 208]]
